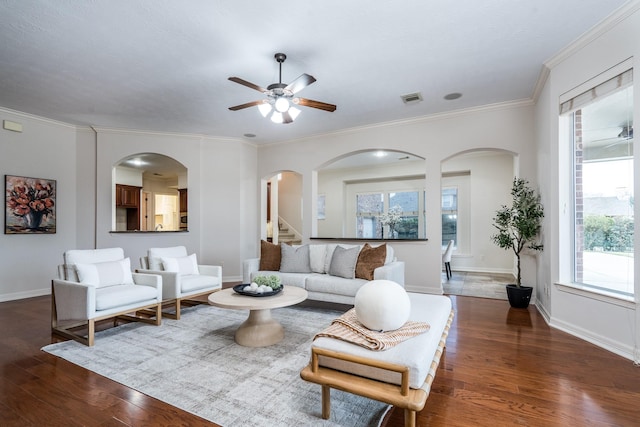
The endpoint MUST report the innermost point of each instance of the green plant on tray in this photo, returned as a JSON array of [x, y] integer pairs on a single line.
[[273, 281]]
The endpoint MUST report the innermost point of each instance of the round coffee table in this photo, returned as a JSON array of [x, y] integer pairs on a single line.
[[260, 329]]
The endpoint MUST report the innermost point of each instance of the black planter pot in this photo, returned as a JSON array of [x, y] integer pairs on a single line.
[[519, 297]]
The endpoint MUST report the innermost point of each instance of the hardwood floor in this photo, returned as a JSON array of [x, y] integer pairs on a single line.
[[502, 367]]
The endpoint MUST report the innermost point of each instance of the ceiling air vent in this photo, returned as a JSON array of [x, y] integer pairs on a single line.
[[412, 98]]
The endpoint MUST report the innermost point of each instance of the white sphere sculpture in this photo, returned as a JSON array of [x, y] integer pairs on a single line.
[[382, 305]]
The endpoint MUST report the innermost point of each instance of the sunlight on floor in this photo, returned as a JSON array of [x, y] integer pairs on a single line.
[[483, 285]]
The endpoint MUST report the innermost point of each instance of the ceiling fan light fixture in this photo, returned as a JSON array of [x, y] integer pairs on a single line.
[[276, 117], [265, 109], [293, 112], [282, 104]]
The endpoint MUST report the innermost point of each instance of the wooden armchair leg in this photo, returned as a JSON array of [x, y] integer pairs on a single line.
[[326, 402], [178, 308], [91, 332], [158, 314]]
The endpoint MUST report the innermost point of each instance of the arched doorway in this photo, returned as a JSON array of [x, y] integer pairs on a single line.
[[474, 185]]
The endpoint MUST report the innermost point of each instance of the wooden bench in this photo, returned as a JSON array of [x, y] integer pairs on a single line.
[[401, 376]]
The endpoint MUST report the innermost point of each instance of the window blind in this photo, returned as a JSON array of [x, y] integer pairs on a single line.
[[616, 83]]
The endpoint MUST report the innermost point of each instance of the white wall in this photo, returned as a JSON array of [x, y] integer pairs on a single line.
[[223, 197], [217, 171], [506, 126], [610, 323], [44, 149]]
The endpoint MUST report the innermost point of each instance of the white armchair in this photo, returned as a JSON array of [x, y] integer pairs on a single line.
[[182, 278], [97, 284]]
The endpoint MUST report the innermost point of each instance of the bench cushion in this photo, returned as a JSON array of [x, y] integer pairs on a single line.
[[416, 353]]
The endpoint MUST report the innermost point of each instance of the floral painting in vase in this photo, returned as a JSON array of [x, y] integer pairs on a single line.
[[30, 206]]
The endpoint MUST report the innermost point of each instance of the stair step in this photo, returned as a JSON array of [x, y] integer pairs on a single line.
[[290, 241]]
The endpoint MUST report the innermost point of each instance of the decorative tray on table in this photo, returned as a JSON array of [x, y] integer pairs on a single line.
[[240, 290]]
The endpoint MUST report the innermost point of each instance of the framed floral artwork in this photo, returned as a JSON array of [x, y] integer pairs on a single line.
[[30, 206]]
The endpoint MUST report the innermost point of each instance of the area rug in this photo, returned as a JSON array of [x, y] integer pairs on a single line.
[[194, 364]]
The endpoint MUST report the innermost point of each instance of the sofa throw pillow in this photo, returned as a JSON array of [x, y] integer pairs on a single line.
[[270, 256], [369, 259], [105, 273], [343, 262], [183, 265], [295, 259], [317, 254]]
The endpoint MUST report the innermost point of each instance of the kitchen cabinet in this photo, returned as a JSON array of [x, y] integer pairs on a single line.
[[128, 197]]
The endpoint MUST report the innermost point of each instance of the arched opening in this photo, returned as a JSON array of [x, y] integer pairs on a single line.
[[150, 194], [474, 185], [283, 206], [371, 194]]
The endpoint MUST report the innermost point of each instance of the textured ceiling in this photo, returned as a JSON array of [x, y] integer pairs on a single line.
[[163, 64]]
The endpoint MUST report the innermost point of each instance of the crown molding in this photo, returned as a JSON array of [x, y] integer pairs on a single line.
[[610, 22], [542, 80], [38, 118]]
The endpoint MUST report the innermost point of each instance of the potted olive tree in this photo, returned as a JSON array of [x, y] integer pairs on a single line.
[[518, 228]]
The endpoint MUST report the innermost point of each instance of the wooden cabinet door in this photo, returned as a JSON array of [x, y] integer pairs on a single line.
[[183, 199], [127, 196], [130, 196]]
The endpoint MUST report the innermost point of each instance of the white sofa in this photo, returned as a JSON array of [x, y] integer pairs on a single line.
[[322, 286]]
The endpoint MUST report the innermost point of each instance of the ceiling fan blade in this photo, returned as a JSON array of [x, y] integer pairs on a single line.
[[247, 105], [315, 104], [300, 83], [248, 84]]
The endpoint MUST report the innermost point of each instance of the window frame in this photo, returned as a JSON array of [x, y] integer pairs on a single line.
[[567, 191]]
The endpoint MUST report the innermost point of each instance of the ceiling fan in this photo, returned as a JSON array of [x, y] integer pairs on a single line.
[[280, 96]]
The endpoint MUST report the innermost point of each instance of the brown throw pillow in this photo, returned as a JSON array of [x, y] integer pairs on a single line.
[[269, 256], [369, 259]]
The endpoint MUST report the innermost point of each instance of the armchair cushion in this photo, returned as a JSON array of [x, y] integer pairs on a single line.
[[108, 297], [194, 282], [182, 265], [107, 273], [155, 255]]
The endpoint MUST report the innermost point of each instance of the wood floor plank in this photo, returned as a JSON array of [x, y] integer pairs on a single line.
[[501, 368]]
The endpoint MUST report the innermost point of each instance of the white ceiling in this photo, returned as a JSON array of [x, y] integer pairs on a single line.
[[163, 64]]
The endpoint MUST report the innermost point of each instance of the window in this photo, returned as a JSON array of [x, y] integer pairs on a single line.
[[368, 210], [449, 215], [394, 215], [407, 202], [601, 129]]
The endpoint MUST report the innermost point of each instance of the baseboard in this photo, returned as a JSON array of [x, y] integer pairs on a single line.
[[423, 289], [595, 339], [545, 314], [483, 270], [23, 295]]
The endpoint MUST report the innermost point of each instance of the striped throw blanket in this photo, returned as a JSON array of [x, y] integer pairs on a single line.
[[348, 328]]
